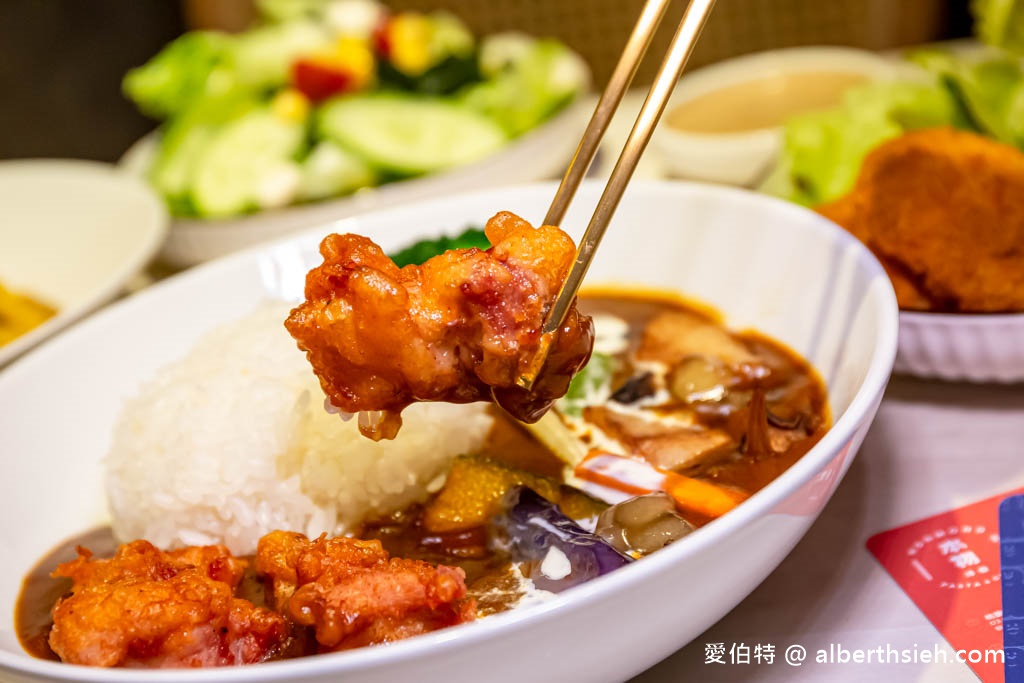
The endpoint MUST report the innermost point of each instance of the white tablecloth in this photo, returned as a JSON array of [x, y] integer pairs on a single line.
[[933, 447]]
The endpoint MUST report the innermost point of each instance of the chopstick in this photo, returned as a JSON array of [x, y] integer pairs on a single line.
[[671, 68], [625, 70]]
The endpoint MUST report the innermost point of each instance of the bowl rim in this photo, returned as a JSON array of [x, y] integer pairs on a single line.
[[143, 252], [753, 66], [842, 432]]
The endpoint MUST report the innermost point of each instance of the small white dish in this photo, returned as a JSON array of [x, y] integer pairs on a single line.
[[962, 347], [745, 157], [764, 263], [539, 154], [72, 233]]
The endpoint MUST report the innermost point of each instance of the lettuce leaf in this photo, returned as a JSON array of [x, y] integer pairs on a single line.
[[178, 75], [823, 151], [989, 87], [529, 80], [1000, 23]]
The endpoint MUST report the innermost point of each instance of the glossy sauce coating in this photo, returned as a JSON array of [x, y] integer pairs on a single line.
[[462, 327]]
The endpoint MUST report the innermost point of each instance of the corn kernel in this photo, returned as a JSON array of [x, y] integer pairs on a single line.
[[410, 35], [356, 58], [290, 105]]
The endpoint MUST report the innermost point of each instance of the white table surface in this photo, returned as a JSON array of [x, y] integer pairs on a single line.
[[934, 446]]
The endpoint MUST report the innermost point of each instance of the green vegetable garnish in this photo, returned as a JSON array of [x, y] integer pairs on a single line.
[[989, 88], [421, 251], [590, 386], [447, 76], [1000, 23], [528, 81]]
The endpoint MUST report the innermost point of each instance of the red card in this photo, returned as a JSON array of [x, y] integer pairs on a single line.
[[949, 566]]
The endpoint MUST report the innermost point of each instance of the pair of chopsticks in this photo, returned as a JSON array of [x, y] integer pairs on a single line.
[[679, 52]]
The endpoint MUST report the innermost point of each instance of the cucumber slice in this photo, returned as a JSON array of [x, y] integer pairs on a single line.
[[330, 171], [233, 170], [171, 175], [185, 140], [263, 56], [410, 135]]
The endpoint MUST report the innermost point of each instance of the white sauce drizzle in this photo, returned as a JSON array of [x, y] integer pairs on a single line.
[[611, 334], [556, 565], [529, 593]]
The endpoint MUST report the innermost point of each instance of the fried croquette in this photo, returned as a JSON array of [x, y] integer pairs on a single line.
[[944, 211]]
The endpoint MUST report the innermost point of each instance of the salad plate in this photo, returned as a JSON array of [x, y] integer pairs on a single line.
[[319, 111], [537, 155], [730, 248]]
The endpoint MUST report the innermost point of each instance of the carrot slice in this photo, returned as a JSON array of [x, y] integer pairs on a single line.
[[700, 496], [637, 477]]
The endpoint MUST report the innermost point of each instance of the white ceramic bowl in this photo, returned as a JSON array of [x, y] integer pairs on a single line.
[[765, 263], [538, 155], [71, 234], [975, 348], [745, 158]]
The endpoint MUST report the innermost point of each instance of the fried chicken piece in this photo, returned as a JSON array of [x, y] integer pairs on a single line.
[[353, 594], [290, 559], [462, 327], [144, 607], [944, 209], [143, 560]]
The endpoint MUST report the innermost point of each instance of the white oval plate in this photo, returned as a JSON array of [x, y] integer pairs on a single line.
[[957, 346], [764, 263], [71, 235], [540, 154]]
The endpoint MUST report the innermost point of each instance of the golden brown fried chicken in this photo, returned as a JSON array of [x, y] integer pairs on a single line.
[[462, 327], [149, 608], [143, 560], [944, 211], [290, 559], [353, 595]]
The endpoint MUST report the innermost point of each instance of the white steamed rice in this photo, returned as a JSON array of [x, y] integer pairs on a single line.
[[233, 441]]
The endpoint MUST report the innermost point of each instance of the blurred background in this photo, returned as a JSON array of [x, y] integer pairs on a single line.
[[62, 61]]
